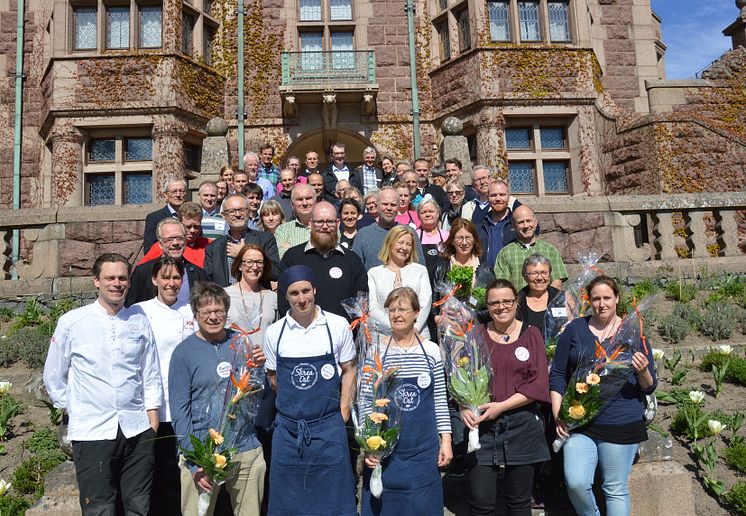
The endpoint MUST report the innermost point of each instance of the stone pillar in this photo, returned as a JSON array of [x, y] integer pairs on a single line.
[[727, 227], [455, 144], [168, 153], [737, 30], [490, 145], [663, 232], [623, 237], [67, 172], [696, 229], [215, 150]]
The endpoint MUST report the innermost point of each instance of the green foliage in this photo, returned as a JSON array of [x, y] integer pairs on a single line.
[[10, 407], [677, 375], [688, 313], [674, 329], [735, 456], [682, 292], [690, 421], [44, 439], [676, 396], [32, 315], [32, 345], [736, 498], [36, 316], [718, 321], [13, 505], [736, 370], [718, 374], [728, 288], [6, 314], [9, 352], [468, 392], [28, 478]]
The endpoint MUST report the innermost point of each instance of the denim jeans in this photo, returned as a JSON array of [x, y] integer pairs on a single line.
[[582, 454]]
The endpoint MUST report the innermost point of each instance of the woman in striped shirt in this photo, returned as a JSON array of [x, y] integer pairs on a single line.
[[410, 474]]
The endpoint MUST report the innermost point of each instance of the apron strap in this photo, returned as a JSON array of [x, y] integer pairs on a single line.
[[304, 436], [329, 334], [279, 337]]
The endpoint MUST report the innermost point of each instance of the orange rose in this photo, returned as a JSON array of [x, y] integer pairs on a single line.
[[378, 417], [593, 379], [581, 387]]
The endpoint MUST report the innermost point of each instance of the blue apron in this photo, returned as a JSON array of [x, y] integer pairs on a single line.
[[311, 472], [411, 480]]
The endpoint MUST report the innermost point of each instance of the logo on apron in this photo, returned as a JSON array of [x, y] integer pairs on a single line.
[[407, 397], [304, 376]]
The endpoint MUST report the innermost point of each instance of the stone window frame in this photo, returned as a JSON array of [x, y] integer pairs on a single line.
[[326, 26], [544, 28], [536, 155], [120, 167], [450, 41], [201, 43]]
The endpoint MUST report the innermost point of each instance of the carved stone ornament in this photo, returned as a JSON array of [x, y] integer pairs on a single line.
[[217, 127], [452, 126]]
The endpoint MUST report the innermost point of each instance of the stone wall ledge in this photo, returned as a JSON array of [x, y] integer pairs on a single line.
[[635, 203], [29, 217], [680, 83]]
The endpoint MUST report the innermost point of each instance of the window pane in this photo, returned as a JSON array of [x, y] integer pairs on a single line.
[[192, 156], [521, 177], [100, 189], [208, 34], [102, 150], [138, 188], [340, 10], [85, 28], [310, 44], [310, 10], [552, 138], [559, 26], [464, 35], [187, 27], [445, 41], [342, 44], [150, 27], [139, 149], [499, 25], [518, 138], [117, 27], [528, 16], [555, 177]]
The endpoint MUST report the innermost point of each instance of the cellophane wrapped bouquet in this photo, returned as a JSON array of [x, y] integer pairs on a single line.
[[466, 357], [471, 290], [233, 406]]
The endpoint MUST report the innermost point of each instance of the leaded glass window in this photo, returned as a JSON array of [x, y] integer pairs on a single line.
[[310, 10], [100, 189], [117, 27], [208, 34], [192, 156], [518, 138], [499, 21], [555, 177], [528, 17], [521, 177], [552, 137], [139, 149], [138, 188], [340, 10], [187, 31], [342, 46], [85, 28], [150, 27], [559, 24], [311, 47], [464, 31], [445, 41], [102, 150]]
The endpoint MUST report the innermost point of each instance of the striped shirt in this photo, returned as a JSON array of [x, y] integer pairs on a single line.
[[291, 234], [412, 364]]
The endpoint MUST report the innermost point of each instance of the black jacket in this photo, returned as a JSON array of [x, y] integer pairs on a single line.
[[438, 194], [141, 284], [330, 180], [216, 255], [151, 223]]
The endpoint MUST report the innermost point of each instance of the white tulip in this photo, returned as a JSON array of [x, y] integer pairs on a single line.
[[5, 387], [715, 426], [4, 486], [696, 396], [658, 354], [724, 349]]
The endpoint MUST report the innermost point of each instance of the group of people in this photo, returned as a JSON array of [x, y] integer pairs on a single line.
[[271, 254]]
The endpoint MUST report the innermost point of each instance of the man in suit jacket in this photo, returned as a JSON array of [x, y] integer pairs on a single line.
[[220, 253], [371, 175], [339, 169], [175, 191], [424, 187], [172, 239]]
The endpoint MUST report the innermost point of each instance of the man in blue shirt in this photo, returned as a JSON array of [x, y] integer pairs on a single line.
[[495, 229]]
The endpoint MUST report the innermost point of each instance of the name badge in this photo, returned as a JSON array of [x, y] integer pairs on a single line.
[[335, 272], [522, 353], [559, 311], [423, 380], [224, 369], [327, 372], [432, 252]]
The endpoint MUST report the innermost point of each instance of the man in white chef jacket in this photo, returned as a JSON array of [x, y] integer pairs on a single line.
[[102, 368]]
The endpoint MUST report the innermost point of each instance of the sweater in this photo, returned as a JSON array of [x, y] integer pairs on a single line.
[[381, 283], [368, 243]]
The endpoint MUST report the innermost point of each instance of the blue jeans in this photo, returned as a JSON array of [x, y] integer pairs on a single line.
[[582, 454]]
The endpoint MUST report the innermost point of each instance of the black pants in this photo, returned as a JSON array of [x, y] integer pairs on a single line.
[[119, 469], [496, 490], [166, 495]]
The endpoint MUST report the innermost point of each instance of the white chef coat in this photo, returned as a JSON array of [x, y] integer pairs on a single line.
[[103, 369], [171, 325]]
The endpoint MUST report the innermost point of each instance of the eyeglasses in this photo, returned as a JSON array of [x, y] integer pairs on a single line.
[[236, 211], [322, 223], [180, 191], [169, 240], [396, 311], [464, 239], [456, 193], [536, 274], [507, 303], [207, 313], [251, 263]]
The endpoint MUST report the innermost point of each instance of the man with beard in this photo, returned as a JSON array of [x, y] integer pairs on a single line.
[[496, 230], [339, 273]]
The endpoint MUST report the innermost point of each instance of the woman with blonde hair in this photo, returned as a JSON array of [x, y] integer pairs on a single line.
[[270, 216]]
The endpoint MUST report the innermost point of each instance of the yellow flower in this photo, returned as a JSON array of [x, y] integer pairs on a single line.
[[577, 412], [215, 436], [378, 417], [220, 461], [463, 361], [375, 442], [382, 402], [593, 379], [581, 387]]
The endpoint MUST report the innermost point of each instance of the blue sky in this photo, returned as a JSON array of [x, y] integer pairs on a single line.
[[692, 30]]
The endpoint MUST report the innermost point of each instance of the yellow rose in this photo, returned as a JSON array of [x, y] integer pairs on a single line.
[[577, 412], [463, 361], [593, 379], [581, 387], [375, 442], [220, 461], [382, 402], [378, 417], [215, 436]]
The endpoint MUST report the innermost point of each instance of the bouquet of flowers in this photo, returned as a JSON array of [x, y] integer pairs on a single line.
[[358, 308], [238, 402], [375, 417], [470, 290]]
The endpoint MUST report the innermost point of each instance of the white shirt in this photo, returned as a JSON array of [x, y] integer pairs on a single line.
[[104, 370], [170, 325], [342, 174], [381, 283], [299, 342]]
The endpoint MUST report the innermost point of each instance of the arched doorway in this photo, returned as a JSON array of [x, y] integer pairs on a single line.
[[321, 141]]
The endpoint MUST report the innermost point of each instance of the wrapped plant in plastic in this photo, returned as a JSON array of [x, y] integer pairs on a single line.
[[559, 313], [471, 289], [374, 414], [577, 298], [630, 336], [358, 308]]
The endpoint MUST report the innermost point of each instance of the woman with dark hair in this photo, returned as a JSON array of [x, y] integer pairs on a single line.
[[511, 429], [349, 214], [389, 174], [612, 438], [226, 175]]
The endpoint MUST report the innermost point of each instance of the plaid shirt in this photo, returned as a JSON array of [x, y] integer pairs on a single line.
[[291, 234], [509, 263], [271, 174], [369, 178]]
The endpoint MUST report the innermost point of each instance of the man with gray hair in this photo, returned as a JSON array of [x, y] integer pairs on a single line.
[[251, 166], [297, 231], [372, 175], [175, 191]]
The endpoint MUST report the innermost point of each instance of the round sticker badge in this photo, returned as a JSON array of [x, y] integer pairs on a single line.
[[423, 380], [335, 272], [521, 353], [407, 397], [304, 376], [327, 372], [224, 369]]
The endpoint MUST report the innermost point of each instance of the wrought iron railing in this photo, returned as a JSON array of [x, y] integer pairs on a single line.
[[318, 68]]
